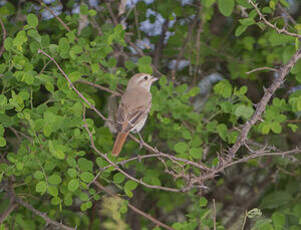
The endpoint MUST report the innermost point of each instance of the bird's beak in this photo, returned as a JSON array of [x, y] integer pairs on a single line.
[[154, 79]]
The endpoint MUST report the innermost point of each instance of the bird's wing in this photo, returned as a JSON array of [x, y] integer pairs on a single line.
[[132, 110]]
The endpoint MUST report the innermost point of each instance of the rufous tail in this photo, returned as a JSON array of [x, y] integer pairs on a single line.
[[120, 139]]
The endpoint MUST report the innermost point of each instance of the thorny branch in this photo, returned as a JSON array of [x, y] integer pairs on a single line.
[[265, 21], [260, 108]]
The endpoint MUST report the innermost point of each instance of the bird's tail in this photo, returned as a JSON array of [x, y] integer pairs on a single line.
[[120, 139]]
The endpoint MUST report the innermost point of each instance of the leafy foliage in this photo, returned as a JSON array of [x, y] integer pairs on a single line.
[[46, 154]]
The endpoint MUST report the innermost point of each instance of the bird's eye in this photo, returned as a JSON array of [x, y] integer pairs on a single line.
[[145, 78]]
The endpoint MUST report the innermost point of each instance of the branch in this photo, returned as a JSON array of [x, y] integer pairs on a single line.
[[43, 215], [3, 37], [265, 21], [28, 206], [99, 87], [189, 35], [54, 15], [262, 68], [247, 158], [260, 108], [160, 43], [155, 221], [6, 213]]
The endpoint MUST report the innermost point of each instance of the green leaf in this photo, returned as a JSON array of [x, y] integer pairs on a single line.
[[223, 88], [276, 199], [278, 220], [244, 3], [71, 162], [276, 127], [181, 147], [203, 202], [208, 3], [144, 65], [129, 187], [86, 177], [240, 29], [118, 178], [247, 21], [72, 172], [85, 165], [41, 187], [38, 175], [196, 153], [222, 131], [32, 20], [55, 200], [2, 142], [34, 34], [54, 179], [226, 7], [64, 47], [244, 111], [74, 76], [83, 196], [68, 200], [73, 185], [293, 127], [52, 190]]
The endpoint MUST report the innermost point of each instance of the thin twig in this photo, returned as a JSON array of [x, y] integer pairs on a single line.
[[287, 14], [72, 86], [244, 221], [3, 37], [7, 212], [54, 15], [160, 43], [154, 220], [265, 21], [99, 87], [183, 48], [262, 68], [43, 215], [214, 215]]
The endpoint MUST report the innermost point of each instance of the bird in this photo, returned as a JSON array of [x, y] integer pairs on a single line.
[[133, 108]]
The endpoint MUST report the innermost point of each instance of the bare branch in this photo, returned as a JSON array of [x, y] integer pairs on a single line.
[[99, 87], [214, 214], [183, 48], [262, 68]]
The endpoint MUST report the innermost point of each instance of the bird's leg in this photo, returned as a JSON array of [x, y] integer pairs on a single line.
[[141, 141]]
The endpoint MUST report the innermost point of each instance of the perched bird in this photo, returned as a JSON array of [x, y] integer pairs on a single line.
[[133, 109]]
